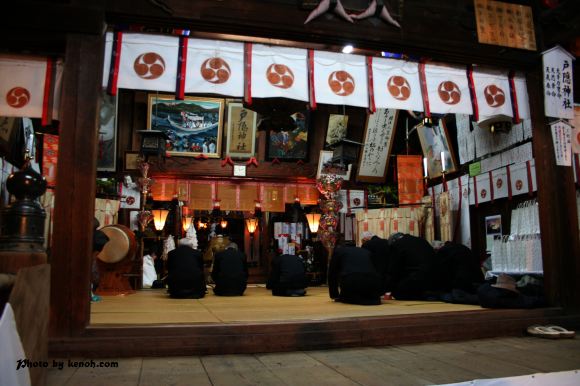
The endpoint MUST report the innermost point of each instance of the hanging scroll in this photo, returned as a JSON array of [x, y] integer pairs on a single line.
[[379, 135], [410, 179]]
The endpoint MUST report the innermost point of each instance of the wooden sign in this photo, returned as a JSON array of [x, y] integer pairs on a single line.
[[241, 131], [379, 134], [503, 24]]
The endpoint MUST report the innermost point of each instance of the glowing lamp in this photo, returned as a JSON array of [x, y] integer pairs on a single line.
[[159, 217], [313, 221]]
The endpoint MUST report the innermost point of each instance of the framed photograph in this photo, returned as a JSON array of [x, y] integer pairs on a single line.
[[241, 131], [292, 144], [336, 131], [107, 141], [378, 140], [131, 161], [325, 167], [193, 126], [435, 142], [492, 229]]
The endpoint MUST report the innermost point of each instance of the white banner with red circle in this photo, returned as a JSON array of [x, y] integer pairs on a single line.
[[340, 79], [492, 92], [279, 72], [22, 86], [215, 66], [396, 84], [148, 62], [447, 89]]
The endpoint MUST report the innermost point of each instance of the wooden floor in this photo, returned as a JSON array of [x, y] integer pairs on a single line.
[[151, 324], [418, 364], [257, 305]]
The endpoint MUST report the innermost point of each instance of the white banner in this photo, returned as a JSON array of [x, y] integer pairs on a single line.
[[519, 179], [447, 89], [22, 86], [522, 96], [215, 66], [148, 62], [279, 72], [492, 91], [500, 183], [396, 84], [340, 79], [558, 83], [561, 138], [483, 188]]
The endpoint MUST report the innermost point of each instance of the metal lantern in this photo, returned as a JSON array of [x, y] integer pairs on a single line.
[[152, 142], [345, 152]]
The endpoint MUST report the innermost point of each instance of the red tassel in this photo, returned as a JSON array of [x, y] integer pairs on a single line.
[[227, 161], [252, 161]]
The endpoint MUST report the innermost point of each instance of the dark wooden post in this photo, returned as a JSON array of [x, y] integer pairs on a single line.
[[557, 208], [71, 255]]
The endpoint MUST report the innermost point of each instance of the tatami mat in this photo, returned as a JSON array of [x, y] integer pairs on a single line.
[[257, 305]]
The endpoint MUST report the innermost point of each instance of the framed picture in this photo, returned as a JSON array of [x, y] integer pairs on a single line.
[[325, 167], [378, 140], [434, 142], [193, 126], [131, 161], [107, 141], [289, 145], [241, 131], [336, 131]]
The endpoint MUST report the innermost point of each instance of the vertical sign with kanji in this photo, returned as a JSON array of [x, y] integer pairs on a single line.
[[561, 137], [379, 135], [241, 131], [558, 83]]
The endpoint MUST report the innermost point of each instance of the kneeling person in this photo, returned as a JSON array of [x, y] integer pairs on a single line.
[[185, 278], [230, 272], [287, 276], [351, 269]]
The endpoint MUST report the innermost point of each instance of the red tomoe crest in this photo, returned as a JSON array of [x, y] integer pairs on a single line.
[[149, 65], [17, 97], [280, 75], [519, 184], [215, 70], [341, 83], [499, 183], [399, 88], [449, 92], [494, 96], [483, 193]]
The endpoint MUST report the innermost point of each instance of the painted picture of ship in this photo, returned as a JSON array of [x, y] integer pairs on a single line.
[[193, 125]]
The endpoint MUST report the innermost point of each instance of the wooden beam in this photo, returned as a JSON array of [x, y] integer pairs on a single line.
[[51, 17], [76, 181], [444, 31], [556, 201], [138, 340]]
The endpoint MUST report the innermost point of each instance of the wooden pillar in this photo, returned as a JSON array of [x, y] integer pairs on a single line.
[[71, 255], [557, 207]]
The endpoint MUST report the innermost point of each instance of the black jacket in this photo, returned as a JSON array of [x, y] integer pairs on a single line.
[[230, 272], [347, 261], [380, 253], [287, 272], [410, 269], [185, 277]]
